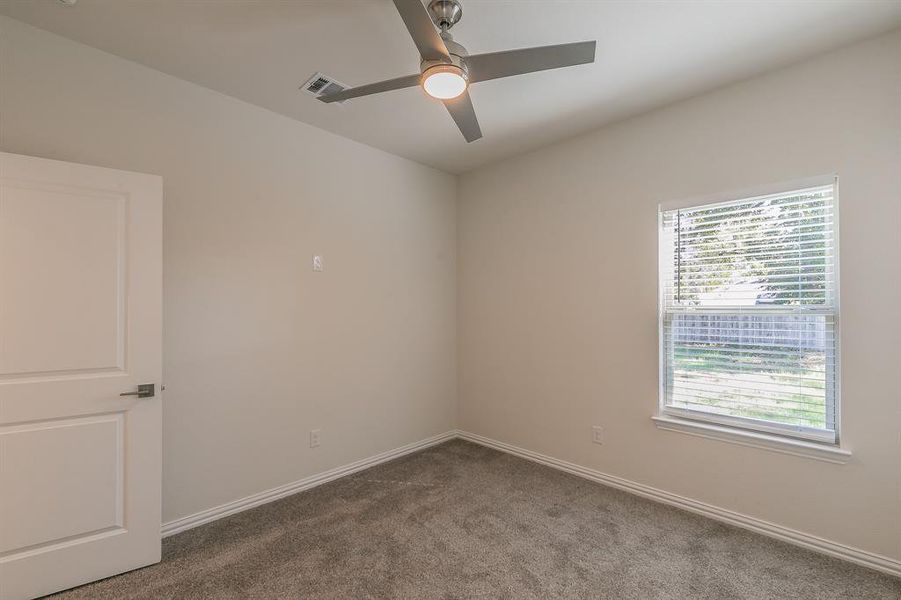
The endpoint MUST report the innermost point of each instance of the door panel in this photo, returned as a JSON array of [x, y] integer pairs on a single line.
[[81, 463], [80, 324], [61, 263]]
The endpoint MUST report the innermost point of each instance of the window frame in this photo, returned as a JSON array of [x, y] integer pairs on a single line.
[[743, 425]]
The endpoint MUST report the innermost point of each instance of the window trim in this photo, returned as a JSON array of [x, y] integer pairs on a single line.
[[754, 439], [727, 426]]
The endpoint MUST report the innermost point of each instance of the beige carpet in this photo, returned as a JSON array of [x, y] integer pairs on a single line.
[[462, 521]]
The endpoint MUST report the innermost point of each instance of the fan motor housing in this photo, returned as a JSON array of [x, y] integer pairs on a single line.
[[456, 52], [445, 13], [455, 60], [453, 48]]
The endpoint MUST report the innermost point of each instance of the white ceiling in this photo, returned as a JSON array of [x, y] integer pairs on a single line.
[[650, 53]]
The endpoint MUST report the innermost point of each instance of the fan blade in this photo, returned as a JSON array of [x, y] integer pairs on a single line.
[[494, 65], [374, 88], [464, 115], [423, 32]]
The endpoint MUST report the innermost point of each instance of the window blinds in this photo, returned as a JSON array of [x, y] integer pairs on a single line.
[[749, 312]]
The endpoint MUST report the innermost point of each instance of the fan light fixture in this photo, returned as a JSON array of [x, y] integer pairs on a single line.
[[444, 81]]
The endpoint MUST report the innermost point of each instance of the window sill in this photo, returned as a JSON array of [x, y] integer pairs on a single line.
[[773, 443]]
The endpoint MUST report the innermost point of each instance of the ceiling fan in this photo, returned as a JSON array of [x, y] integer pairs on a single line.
[[447, 70]]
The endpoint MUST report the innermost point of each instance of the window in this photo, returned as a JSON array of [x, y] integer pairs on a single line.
[[749, 313]]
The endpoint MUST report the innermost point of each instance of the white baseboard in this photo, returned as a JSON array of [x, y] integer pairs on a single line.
[[786, 534], [230, 508]]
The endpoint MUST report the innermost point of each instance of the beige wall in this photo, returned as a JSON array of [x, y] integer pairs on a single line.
[[557, 290], [259, 350]]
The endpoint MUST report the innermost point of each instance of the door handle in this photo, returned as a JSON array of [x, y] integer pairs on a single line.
[[145, 390]]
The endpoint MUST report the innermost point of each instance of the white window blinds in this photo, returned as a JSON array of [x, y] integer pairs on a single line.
[[749, 313]]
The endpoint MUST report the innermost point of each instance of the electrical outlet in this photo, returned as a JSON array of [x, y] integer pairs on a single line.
[[315, 438], [317, 263], [597, 434]]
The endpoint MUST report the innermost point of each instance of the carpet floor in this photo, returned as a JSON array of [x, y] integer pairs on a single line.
[[462, 521]]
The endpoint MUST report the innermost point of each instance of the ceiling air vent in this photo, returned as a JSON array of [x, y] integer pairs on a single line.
[[322, 85]]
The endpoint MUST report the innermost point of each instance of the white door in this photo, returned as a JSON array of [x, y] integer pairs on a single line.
[[80, 324]]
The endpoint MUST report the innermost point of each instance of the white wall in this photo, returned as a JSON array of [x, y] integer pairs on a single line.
[[258, 349], [557, 305]]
